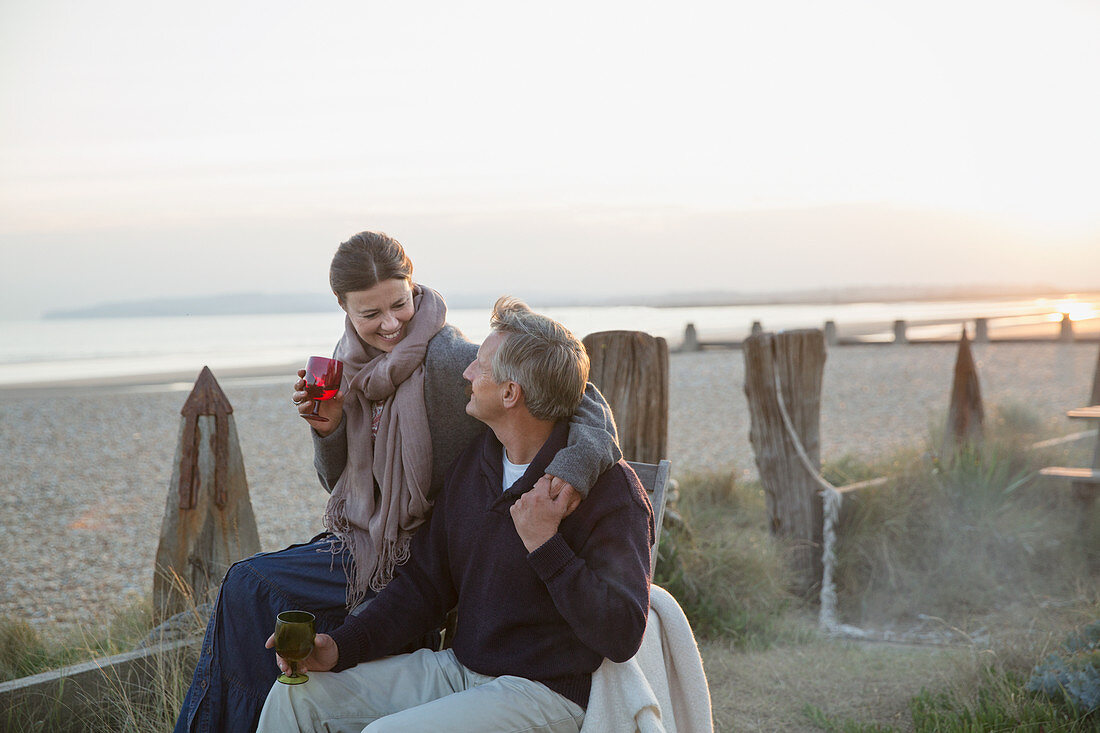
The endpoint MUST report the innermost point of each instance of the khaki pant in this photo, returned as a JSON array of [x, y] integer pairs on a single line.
[[422, 691]]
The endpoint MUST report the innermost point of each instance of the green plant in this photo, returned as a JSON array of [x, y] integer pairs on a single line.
[[152, 704], [1000, 704], [24, 652], [818, 717], [1073, 675]]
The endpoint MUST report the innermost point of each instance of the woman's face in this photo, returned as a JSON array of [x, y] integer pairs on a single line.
[[379, 314]]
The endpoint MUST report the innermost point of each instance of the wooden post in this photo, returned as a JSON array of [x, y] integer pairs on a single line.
[[899, 332], [981, 330], [791, 492], [1094, 398], [1065, 332], [830, 333], [208, 521], [965, 414], [691, 339], [756, 329], [631, 369]]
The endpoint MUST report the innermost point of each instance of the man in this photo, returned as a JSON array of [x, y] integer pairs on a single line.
[[545, 587]]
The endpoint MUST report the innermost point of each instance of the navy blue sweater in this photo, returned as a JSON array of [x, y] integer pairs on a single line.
[[551, 615]]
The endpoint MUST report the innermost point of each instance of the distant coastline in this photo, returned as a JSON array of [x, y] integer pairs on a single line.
[[235, 304]]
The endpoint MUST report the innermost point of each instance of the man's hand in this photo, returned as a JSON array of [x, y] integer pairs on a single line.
[[537, 515], [321, 659]]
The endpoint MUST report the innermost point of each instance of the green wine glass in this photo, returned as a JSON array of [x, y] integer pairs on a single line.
[[294, 632]]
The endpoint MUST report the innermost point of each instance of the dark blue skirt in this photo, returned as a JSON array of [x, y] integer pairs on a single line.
[[235, 671]]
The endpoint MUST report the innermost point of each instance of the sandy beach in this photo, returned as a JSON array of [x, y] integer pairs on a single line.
[[85, 469]]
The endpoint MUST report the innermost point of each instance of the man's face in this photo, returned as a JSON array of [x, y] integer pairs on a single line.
[[485, 394]]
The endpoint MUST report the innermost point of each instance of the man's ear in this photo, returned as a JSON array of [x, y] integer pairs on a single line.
[[512, 396]]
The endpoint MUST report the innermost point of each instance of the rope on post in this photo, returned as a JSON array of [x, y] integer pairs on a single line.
[[831, 499]]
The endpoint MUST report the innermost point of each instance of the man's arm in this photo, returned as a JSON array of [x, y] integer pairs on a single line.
[[602, 588], [413, 603], [593, 444]]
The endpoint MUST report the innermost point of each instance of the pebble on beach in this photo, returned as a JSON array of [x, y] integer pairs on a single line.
[[86, 473]]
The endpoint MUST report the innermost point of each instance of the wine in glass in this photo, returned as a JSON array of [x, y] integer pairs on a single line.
[[322, 383], [294, 634]]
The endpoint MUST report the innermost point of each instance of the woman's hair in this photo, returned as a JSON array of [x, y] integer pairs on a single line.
[[542, 356], [365, 260]]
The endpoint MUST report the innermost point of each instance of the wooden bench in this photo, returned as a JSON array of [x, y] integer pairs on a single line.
[[1084, 479], [654, 478]]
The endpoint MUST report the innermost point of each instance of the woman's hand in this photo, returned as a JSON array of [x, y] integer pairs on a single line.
[[332, 409], [321, 659], [557, 485]]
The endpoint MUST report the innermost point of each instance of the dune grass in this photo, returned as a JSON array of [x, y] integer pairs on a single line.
[[121, 705], [980, 543], [727, 572], [24, 651], [955, 537]]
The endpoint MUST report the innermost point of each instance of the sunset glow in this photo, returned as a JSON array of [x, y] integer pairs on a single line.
[[783, 145], [1077, 311]]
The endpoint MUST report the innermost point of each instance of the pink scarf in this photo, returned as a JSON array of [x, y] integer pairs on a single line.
[[376, 525]]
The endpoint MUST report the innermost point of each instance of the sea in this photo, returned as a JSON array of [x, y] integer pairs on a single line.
[[62, 350]]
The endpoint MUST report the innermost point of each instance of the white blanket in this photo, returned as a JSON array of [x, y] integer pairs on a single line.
[[662, 689]]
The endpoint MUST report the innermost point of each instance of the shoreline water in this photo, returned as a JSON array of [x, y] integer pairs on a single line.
[[1086, 332], [144, 350]]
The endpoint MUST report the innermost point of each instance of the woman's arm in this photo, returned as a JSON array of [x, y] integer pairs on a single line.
[[593, 443], [330, 455]]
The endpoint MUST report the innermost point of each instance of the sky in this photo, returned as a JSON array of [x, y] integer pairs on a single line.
[[576, 148]]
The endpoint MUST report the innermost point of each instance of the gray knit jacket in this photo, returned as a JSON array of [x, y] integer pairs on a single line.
[[593, 440]]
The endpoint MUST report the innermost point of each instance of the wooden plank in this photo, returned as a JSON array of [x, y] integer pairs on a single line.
[[1085, 413], [77, 697], [654, 478], [1072, 437], [869, 483], [1084, 475]]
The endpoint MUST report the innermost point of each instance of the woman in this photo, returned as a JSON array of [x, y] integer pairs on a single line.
[[397, 424]]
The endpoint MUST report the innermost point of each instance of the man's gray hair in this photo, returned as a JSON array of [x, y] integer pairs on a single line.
[[541, 356]]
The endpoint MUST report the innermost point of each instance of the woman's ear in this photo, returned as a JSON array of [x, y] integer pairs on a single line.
[[340, 301]]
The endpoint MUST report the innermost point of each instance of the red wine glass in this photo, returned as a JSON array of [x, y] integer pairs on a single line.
[[322, 383]]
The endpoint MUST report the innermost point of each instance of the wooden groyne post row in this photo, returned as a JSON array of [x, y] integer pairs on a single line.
[[693, 341], [208, 520], [783, 376]]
